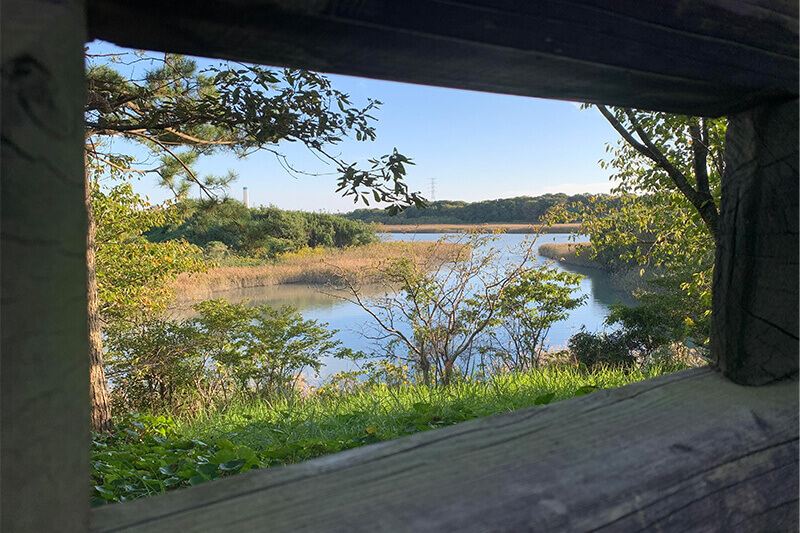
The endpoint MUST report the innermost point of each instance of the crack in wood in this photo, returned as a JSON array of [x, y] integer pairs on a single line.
[[700, 475]]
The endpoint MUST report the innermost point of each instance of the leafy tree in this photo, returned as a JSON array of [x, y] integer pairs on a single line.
[[180, 114], [133, 273], [528, 309], [686, 156], [445, 314], [522, 210], [127, 275], [668, 170], [669, 182], [226, 351]]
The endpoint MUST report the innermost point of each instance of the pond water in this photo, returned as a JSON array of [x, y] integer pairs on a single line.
[[313, 303]]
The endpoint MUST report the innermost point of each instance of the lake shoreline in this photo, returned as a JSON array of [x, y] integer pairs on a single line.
[[572, 253], [628, 279], [318, 302]]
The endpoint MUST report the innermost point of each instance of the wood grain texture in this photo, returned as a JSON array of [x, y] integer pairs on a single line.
[[708, 57], [688, 451], [44, 411], [755, 302]]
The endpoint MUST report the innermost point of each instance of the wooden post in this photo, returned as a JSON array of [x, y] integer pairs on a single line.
[[44, 354], [755, 307]]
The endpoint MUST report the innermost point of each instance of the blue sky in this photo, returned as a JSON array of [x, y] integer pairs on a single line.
[[477, 146]]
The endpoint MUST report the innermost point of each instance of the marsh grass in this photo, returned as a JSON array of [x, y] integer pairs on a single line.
[[153, 454], [314, 266], [379, 413], [571, 253]]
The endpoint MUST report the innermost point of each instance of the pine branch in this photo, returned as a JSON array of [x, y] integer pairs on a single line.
[[189, 172]]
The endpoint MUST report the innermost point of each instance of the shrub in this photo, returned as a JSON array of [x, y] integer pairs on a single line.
[[227, 351], [474, 302], [263, 231], [615, 349]]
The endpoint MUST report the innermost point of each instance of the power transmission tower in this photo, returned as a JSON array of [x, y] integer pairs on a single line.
[[433, 189]]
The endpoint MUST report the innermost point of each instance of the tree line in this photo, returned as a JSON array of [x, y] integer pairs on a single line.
[[518, 210]]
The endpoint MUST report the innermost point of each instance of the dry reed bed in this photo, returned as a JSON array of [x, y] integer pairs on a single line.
[[482, 228], [571, 253], [318, 267]]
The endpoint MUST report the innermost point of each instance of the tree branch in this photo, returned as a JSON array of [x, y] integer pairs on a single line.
[[122, 169], [704, 205], [699, 157], [202, 142], [188, 170]]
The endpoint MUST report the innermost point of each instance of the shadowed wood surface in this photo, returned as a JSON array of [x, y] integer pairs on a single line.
[[44, 431], [755, 302], [687, 451], [705, 57]]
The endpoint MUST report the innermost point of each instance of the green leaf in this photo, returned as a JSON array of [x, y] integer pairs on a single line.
[[422, 407], [168, 470], [208, 470], [544, 399], [223, 455], [586, 389], [225, 444], [196, 480], [232, 465], [247, 454]]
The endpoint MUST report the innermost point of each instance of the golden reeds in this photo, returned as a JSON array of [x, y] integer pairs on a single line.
[[310, 267]]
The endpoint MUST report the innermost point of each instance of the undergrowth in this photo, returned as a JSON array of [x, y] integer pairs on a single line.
[[149, 454]]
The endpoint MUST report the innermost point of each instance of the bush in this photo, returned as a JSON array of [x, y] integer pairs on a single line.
[[616, 349], [228, 351], [263, 231], [216, 248], [664, 318]]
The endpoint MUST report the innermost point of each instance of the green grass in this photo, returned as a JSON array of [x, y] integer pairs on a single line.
[[150, 455]]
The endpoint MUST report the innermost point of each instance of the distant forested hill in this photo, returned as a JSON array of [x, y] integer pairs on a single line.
[[519, 210]]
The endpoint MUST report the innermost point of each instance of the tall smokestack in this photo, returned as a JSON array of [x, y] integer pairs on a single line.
[[245, 198]]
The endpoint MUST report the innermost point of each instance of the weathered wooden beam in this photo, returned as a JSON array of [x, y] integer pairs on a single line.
[[705, 57], [44, 411], [688, 451], [756, 296]]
